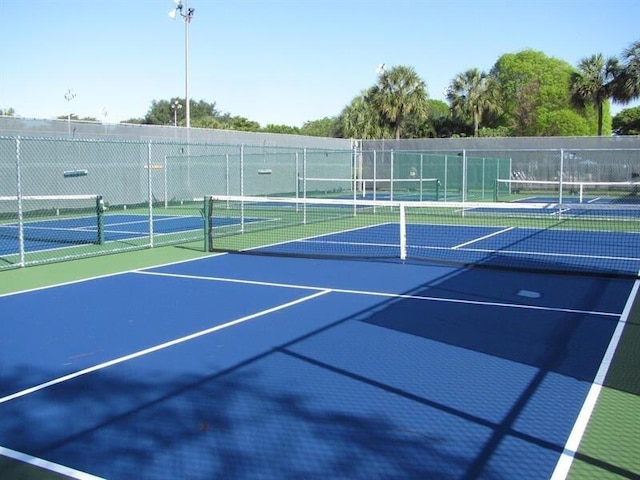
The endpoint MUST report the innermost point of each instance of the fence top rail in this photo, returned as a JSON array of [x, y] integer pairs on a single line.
[[501, 149], [563, 182]]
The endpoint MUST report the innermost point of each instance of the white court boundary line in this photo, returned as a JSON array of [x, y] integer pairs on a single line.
[[107, 275], [381, 294], [575, 437], [158, 347], [47, 465]]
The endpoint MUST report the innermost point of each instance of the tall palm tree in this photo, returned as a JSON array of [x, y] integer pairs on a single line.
[[595, 82], [472, 94], [398, 93], [627, 85]]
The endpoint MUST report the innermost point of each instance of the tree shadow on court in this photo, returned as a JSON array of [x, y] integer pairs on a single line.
[[229, 425], [309, 408]]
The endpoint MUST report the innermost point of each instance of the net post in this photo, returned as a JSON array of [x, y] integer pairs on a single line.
[[560, 192], [242, 187], [150, 194], [227, 176], [100, 216], [375, 176], [166, 185], [208, 224], [297, 186], [392, 177], [21, 249], [304, 184], [464, 176], [421, 176], [403, 232]]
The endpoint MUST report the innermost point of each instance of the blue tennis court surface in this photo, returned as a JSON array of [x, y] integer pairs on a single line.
[[239, 366]]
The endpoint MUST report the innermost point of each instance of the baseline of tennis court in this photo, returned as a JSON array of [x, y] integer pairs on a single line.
[[266, 367]]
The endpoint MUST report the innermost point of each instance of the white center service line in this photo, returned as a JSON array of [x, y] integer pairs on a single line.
[[482, 238], [156, 348]]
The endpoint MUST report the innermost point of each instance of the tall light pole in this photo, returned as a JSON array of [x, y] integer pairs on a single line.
[[187, 14], [70, 95], [175, 106]]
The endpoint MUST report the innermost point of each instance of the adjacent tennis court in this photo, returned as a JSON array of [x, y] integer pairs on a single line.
[[50, 229], [371, 365]]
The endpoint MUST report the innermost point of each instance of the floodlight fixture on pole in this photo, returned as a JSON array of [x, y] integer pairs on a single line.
[[70, 95], [186, 13], [175, 106]]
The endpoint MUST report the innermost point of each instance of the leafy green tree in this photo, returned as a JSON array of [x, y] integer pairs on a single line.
[[593, 83], [565, 122], [162, 113], [325, 127], [134, 121], [399, 93], [208, 121], [627, 83], [627, 122], [494, 132], [7, 112], [472, 94], [271, 128], [438, 115], [242, 124], [438, 120], [202, 109], [531, 84]]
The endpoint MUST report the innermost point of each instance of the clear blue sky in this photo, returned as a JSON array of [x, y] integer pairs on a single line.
[[276, 61]]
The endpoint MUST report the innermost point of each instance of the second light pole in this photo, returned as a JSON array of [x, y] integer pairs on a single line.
[[175, 106]]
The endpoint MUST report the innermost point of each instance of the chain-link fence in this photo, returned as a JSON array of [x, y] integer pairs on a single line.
[[509, 169], [67, 198], [62, 198]]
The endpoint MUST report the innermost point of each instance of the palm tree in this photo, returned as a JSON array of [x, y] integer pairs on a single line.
[[398, 93], [627, 84], [360, 120], [594, 83], [472, 94]]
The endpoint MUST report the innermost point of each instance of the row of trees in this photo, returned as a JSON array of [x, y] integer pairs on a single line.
[[524, 94], [206, 115]]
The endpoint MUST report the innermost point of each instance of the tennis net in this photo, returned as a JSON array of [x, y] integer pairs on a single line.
[[69, 219], [406, 189], [566, 191], [586, 238]]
